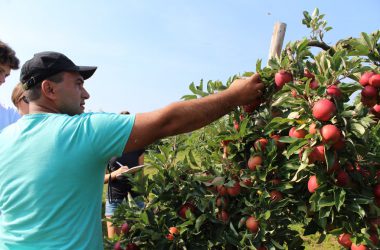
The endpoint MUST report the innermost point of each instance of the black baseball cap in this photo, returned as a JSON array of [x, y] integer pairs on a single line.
[[49, 63]]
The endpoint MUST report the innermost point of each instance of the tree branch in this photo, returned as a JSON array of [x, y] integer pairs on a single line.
[[319, 44]]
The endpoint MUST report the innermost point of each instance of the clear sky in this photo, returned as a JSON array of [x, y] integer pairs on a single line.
[[148, 52]]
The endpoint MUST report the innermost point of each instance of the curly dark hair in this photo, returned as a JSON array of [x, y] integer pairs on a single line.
[[8, 56]]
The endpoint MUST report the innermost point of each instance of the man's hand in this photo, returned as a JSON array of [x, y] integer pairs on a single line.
[[247, 90], [119, 172]]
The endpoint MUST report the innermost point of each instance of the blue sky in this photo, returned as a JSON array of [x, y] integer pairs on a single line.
[[148, 52]]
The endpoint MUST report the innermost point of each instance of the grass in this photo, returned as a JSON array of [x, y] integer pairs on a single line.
[[311, 241]]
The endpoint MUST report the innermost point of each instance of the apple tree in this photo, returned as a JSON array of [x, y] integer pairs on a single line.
[[307, 153]]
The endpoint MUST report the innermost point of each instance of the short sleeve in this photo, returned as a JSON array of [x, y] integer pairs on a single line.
[[108, 133]]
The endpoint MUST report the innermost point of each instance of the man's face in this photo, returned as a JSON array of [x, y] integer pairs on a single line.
[[71, 94], [5, 70]]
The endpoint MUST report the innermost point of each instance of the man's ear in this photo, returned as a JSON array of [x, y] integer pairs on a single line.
[[48, 89]]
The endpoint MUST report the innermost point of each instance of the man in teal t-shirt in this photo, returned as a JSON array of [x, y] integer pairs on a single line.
[[60, 202], [52, 161]]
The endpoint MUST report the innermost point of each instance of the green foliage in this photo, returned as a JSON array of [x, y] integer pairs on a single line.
[[193, 177]]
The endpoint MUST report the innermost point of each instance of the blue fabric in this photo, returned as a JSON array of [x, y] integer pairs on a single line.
[[111, 207], [7, 116], [52, 170]]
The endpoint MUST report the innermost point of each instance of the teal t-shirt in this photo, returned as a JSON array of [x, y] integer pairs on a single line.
[[52, 170]]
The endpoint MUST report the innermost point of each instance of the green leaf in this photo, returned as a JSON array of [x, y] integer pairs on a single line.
[[276, 123], [326, 201], [358, 129], [192, 158], [356, 208], [188, 97], [288, 139], [258, 65], [322, 238], [267, 215], [144, 217], [192, 88], [281, 100], [199, 221], [302, 167], [330, 158], [315, 12], [296, 146], [218, 181], [340, 197], [367, 40], [276, 244], [233, 229]]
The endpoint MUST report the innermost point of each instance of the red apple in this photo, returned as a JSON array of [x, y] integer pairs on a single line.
[[254, 161], [282, 77], [334, 91], [169, 237], [173, 230], [183, 209], [314, 84], [344, 240], [364, 79], [226, 142], [261, 144], [313, 128], [222, 202], [117, 246], [301, 133], [252, 224], [375, 222], [253, 106], [132, 246], [125, 228], [335, 166], [317, 154], [223, 216], [375, 110], [376, 190], [236, 125], [342, 178], [247, 182], [324, 110], [375, 81], [312, 184], [368, 101], [234, 190], [369, 92], [377, 202], [262, 248], [358, 247], [330, 134], [222, 190], [276, 138], [340, 144], [374, 238], [308, 74], [275, 195], [275, 181]]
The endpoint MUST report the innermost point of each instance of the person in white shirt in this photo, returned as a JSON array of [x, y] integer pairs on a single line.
[[8, 61]]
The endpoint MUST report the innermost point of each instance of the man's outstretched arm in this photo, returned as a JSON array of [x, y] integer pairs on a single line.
[[186, 116]]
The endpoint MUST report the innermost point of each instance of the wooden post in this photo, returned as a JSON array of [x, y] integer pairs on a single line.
[[277, 40]]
